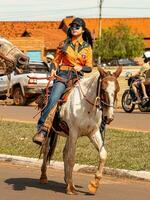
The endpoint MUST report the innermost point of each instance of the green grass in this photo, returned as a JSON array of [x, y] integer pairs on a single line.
[[127, 150]]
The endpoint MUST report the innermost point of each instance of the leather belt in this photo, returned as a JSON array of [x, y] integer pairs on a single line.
[[66, 68]]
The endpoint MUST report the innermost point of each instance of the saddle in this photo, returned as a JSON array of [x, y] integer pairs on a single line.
[[55, 114]]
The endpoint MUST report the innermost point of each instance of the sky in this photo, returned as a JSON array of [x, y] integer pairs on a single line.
[[53, 10]]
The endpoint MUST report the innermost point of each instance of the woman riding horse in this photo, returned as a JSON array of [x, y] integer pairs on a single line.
[[74, 54]]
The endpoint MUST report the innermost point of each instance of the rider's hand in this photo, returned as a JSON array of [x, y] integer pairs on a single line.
[[78, 68], [53, 72], [139, 61]]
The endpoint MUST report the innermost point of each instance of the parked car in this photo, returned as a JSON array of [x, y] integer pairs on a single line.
[[20, 87], [122, 62]]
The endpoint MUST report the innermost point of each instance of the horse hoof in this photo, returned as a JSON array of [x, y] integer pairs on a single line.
[[93, 186], [71, 190], [43, 180]]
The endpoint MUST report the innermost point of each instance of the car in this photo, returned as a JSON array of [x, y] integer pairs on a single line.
[[122, 62], [23, 87]]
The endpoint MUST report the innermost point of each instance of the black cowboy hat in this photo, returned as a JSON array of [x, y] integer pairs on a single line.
[[78, 21]]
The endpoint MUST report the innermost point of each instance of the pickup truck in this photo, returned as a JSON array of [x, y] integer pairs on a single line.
[[22, 87]]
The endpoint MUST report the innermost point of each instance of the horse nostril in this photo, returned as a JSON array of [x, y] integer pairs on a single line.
[[23, 60], [108, 120]]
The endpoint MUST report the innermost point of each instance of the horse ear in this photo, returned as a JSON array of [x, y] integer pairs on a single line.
[[102, 72], [118, 72]]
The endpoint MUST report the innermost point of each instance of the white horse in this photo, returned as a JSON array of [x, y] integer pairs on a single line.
[[11, 57], [90, 100]]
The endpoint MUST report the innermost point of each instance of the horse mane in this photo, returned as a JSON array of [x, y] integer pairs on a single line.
[[91, 77]]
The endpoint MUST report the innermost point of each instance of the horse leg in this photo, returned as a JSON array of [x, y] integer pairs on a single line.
[[96, 139], [45, 148], [69, 161], [65, 150]]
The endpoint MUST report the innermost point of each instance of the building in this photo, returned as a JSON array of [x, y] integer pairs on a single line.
[[38, 38]]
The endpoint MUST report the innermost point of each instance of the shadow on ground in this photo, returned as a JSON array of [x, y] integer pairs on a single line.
[[19, 184]]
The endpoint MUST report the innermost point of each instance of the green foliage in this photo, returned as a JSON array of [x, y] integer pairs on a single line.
[[118, 42], [128, 150]]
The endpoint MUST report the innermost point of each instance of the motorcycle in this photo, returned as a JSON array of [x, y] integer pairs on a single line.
[[129, 99]]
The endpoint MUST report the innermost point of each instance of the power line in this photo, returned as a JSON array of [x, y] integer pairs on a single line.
[[126, 8]]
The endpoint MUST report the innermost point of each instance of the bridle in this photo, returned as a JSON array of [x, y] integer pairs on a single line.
[[101, 92], [99, 102], [14, 47], [4, 58]]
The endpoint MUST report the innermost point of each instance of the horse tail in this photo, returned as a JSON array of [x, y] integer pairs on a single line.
[[52, 144]]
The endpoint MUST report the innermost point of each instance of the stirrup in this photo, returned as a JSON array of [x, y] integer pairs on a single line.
[[39, 137]]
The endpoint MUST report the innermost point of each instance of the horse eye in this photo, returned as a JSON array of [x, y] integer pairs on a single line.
[[112, 95]]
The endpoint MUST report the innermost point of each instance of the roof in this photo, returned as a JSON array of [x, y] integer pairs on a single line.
[[35, 29], [140, 25], [52, 32], [48, 32], [53, 38]]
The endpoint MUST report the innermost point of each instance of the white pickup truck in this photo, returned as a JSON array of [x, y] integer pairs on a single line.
[[20, 87]]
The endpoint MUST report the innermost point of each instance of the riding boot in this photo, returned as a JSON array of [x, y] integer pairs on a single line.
[[42, 133]]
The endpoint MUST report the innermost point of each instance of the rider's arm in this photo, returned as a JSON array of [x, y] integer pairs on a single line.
[[89, 62], [138, 73], [89, 58], [58, 58], [141, 71]]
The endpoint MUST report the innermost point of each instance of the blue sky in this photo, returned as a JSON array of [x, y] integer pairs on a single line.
[[30, 10]]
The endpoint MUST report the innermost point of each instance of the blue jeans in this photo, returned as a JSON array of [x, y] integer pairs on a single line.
[[57, 91]]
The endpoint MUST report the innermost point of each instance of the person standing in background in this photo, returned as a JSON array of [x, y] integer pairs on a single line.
[[49, 60]]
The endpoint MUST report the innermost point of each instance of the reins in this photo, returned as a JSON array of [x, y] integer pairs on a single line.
[[50, 78], [90, 102], [3, 57], [98, 102]]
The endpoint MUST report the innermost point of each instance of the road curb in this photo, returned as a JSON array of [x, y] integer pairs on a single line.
[[142, 175]]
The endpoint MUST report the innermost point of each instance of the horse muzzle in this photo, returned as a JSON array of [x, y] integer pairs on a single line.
[[109, 119], [22, 60]]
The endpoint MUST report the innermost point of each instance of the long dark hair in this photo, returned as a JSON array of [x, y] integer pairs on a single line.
[[86, 35]]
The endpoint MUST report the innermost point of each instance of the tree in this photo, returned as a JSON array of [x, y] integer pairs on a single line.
[[118, 42]]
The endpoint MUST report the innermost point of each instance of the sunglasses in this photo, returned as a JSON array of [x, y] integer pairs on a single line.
[[75, 26]]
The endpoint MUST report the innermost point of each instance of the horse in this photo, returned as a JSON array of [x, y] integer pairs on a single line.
[[90, 101], [11, 58]]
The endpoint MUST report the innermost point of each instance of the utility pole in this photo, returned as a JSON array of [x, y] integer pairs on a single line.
[[100, 25], [100, 18]]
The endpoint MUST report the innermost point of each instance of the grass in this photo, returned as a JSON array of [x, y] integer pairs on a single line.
[[127, 150]]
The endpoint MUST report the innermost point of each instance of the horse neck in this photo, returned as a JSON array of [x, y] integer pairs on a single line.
[[89, 87]]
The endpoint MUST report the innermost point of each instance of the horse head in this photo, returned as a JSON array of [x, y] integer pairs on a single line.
[[11, 57], [109, 87]]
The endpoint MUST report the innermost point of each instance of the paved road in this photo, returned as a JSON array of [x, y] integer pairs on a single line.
[[130, 121], [20, 182], [136, 121]]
